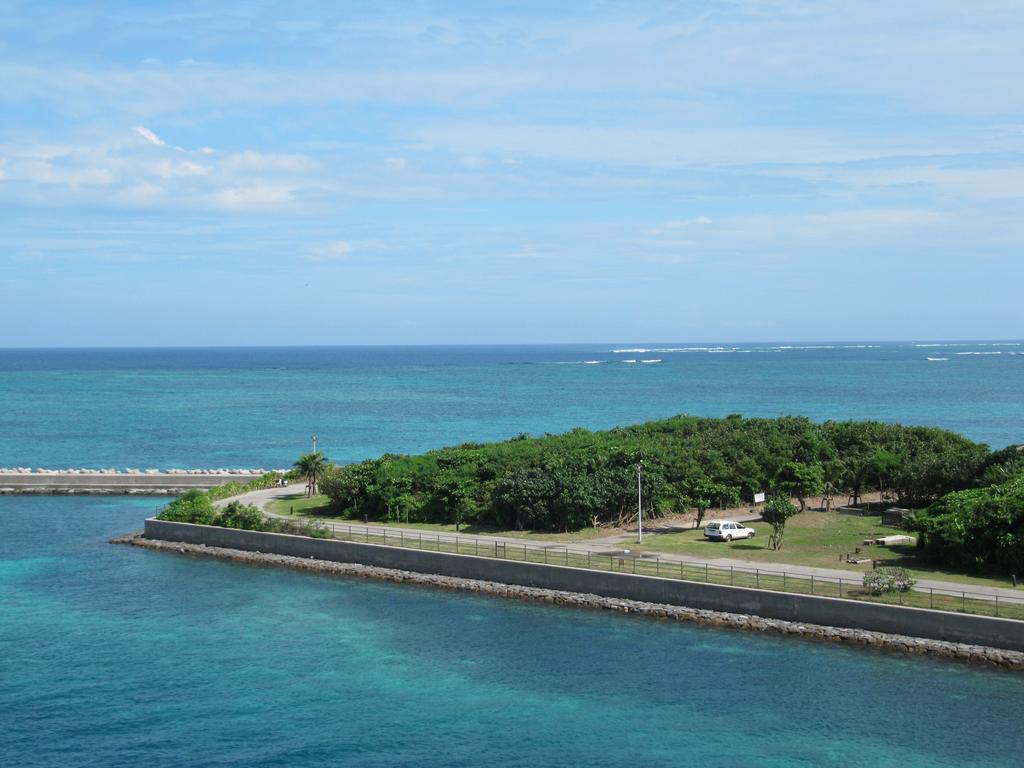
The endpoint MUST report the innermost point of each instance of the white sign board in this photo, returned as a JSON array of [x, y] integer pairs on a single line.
[[759, 498]]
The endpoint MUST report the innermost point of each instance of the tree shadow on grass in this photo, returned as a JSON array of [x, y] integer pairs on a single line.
[[750, 547], [908, 556], [669, 528], [486, 530]]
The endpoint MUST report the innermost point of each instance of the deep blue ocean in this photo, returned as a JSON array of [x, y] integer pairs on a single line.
[[183, 408], [116, 656]]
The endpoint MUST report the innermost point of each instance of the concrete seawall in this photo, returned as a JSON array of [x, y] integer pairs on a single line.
[[121, 482], [793, 608]]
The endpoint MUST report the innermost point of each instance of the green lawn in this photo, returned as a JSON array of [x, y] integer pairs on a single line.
[[300, 505], [318, 507], [812, 538], [816, 539]]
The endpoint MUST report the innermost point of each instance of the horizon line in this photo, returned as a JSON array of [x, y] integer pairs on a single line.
[[393, 345]]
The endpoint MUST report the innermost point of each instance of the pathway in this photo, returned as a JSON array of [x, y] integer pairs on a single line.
[[621, 543]]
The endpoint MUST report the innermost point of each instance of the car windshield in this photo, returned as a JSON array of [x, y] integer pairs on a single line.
[[712, 525]]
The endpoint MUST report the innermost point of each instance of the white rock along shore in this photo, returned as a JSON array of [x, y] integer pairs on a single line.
[[132, 472]]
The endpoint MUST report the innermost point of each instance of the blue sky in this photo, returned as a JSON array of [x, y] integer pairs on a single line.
[[445, 172]]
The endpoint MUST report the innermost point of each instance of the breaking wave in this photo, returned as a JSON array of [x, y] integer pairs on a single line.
[[721, 349]]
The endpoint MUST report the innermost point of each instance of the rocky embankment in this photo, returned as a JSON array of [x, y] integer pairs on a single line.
[[115, 481], [878, 640], [129, 472]]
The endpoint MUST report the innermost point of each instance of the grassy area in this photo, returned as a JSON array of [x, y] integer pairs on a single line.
[[298, 504], [813, 538], [318, 507], [816, 539]]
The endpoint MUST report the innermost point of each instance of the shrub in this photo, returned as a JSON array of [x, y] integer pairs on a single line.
[[300, 528], [245, 517], [197, 506], [191, 507], [887, 580], [266, 480]]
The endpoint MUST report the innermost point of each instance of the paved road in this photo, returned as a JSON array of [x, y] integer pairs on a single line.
[[619, 543]]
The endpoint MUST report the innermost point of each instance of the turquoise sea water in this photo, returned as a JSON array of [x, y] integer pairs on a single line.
[[116, 656], [259, 407]]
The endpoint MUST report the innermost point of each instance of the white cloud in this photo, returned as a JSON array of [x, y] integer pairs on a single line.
[[149, 136], [661, 148], [260, 162], [680, 223], [940, 175], [254, 196], [167, 169], [143, 194], [339, 250], [155, 174]]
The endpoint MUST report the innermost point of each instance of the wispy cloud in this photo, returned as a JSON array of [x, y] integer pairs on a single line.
[[149, 136], [339, 250], [681, 223], [153, 173], [576, 152]]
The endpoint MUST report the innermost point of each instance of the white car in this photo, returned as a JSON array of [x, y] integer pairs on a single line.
[[727, 530]]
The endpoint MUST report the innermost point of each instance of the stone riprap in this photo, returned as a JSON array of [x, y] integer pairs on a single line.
[[132, 471], [115, 481], [996, 657]]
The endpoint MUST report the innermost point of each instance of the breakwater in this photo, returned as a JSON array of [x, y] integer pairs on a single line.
[[112, 481], [948, 635]]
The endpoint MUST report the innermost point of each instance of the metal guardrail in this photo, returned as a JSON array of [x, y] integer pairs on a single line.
[[962, 601]]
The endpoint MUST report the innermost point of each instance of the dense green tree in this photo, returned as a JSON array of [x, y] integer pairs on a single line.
[[978, 529], [584, 478], [705, 493], [935, 463], [451, 493], [801, 480], [1000, 466], [886, 465], [348, 486], [526, 498]]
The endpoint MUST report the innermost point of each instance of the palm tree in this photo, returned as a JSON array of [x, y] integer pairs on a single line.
[[311, 466]]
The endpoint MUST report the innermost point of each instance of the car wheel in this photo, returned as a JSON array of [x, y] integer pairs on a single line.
[[728, 538], [751, 534]]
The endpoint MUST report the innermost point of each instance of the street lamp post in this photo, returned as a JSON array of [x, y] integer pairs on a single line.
[[639, 505], [314, 443]]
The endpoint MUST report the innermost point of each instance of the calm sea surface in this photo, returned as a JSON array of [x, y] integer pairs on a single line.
[[113, 656], [258, 407]]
